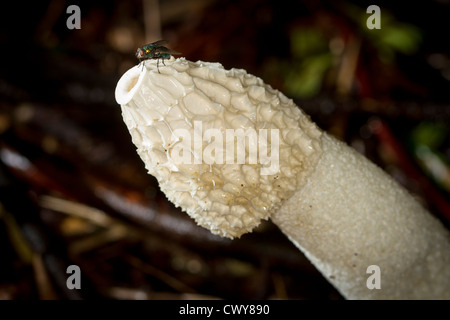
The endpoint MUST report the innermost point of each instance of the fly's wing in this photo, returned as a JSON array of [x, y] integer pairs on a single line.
[[167, 50], [158, 43]]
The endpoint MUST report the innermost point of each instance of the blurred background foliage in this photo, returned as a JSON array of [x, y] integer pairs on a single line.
[[73, 190]]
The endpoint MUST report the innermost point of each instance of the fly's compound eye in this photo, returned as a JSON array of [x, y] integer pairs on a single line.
[[140, 53]]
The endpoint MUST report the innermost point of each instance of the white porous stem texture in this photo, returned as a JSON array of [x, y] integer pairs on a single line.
[[229, 198], [342, 211], [350, 215]]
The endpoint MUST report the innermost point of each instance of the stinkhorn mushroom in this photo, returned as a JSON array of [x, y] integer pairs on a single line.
[[230, 150]]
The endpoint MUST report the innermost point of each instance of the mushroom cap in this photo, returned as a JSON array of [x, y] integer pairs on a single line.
[[224, 146]]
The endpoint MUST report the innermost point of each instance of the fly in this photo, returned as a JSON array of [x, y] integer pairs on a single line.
[[155, 50]]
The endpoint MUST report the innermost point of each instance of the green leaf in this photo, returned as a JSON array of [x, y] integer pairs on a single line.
[[306, 80], [307, 41], [401, 37]]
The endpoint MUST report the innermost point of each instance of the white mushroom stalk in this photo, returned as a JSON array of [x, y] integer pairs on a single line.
[[230, 151]]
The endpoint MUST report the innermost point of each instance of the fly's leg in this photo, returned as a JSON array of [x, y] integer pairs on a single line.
[[141, 62], [157, 64]]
